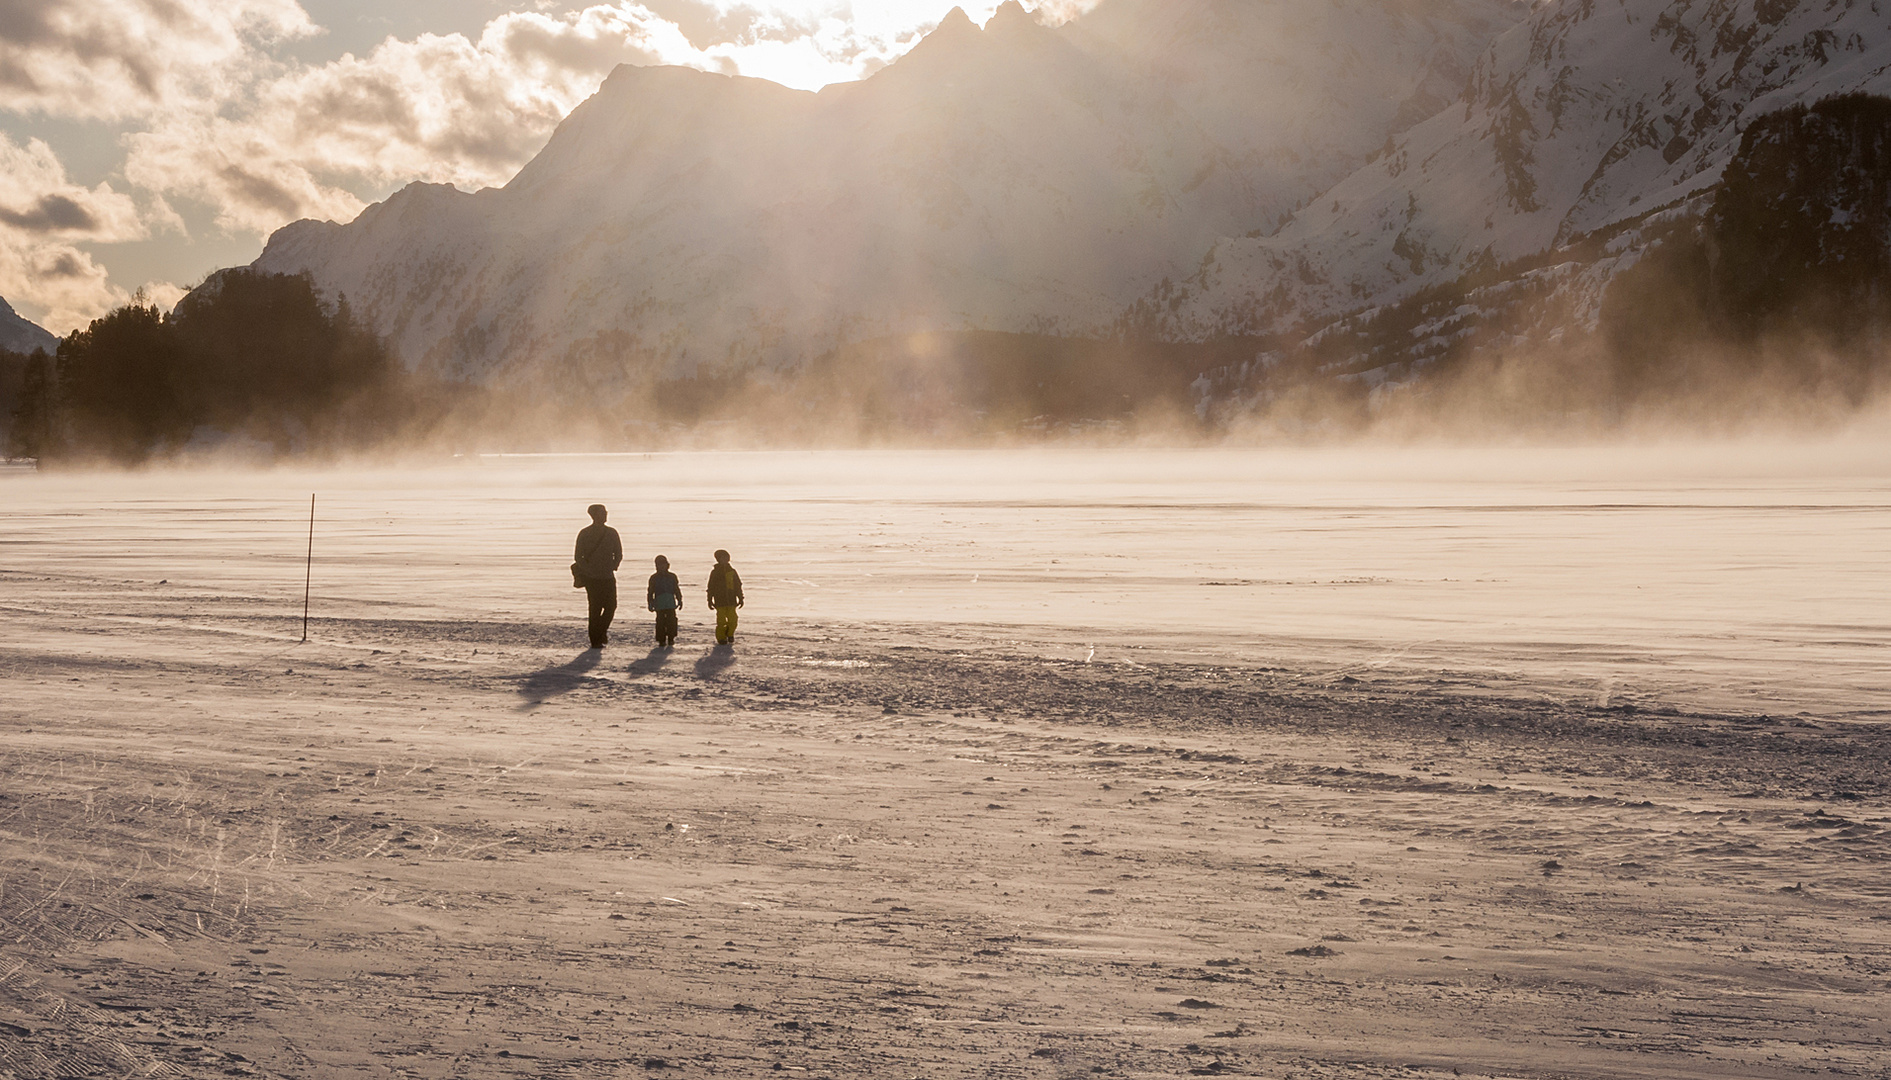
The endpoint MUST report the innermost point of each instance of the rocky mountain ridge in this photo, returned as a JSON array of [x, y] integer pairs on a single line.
[[1299, 175], [1014, 177], [1766, 296], [1582, 117]]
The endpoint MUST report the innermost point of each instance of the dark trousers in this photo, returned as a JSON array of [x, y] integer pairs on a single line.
[[601, 598], [666, 628]]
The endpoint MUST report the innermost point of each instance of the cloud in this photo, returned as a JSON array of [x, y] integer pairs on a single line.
[[36, 200], [51, 213], [121, 59], [65, 283], [160, 294], [1055, 12], [706, 25], [252, 182], [44, 217], [438, 108], [67, 287]]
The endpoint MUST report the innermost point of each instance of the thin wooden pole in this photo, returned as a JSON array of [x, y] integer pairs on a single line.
[[308, 574]]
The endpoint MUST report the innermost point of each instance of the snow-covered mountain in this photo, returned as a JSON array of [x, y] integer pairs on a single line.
[[22, 335], [1012, 177], [1177, 169], [1588, 114]]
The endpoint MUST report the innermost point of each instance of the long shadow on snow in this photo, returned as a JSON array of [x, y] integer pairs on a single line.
[[651, 664], [540, 687], [715, 661]]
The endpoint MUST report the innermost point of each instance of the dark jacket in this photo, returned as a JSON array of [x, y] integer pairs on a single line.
[[725, 586], [664, 583], [597, 552]]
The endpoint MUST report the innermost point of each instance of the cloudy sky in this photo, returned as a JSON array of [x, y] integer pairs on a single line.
[[144, 143]]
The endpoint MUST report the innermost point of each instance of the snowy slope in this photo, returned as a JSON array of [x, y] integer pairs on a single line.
[[1588, 113], [20, 334], [1011, 177]]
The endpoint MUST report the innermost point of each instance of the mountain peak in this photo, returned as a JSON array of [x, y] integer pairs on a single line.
[[1011, 17], [956, 21], [1012, 177], [955, 38]]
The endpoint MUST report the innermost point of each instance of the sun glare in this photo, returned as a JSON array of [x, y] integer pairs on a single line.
[[853, 40]]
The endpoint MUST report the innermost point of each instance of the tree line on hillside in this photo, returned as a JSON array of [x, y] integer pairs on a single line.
[[250, 355]]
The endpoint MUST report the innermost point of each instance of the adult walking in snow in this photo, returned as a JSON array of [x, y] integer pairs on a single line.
[[596, 555]]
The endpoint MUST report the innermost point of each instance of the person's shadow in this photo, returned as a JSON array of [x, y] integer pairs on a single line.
[[651, 664], [542, 686], [715, 661]]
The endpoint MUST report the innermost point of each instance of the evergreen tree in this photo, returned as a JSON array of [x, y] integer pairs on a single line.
[[119, 387], [30, 434], [263, 354], [250, 353], [1799, 238], [1786, 284]]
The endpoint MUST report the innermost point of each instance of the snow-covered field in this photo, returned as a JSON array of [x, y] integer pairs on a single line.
[[1754, 579], [1362, 765]]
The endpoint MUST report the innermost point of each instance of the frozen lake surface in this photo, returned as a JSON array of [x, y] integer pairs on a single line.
[[1753, 579]]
